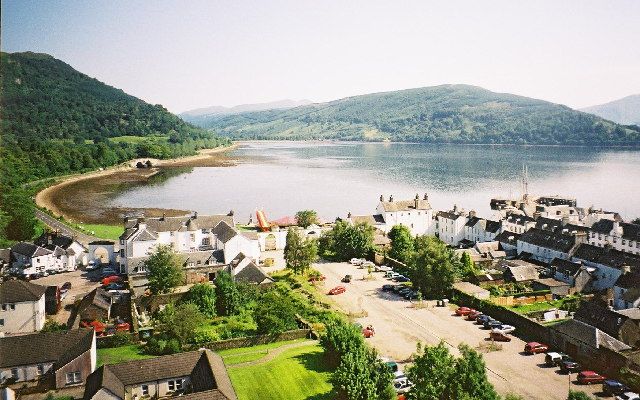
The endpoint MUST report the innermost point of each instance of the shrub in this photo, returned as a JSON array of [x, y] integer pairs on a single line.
[[117, 340], [162, 346], [205, 336]]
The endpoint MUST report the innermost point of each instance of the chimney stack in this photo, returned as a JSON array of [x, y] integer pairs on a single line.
[[349, 215], [381, 198], [426, 197], [391, 199], [416, 201]]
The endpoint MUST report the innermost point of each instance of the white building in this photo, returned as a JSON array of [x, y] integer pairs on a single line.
[[30, 260], [22, 307], [451, 225], [517, 223], [416, 214], [480, 229], [546, 245], [609, 264], [619, 235], [626, 290], [68, 252]]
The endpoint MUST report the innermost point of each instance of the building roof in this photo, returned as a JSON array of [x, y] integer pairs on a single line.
[[57, 347], [631, 313], [449, 215], [508, 237], [519, 219], [629, 231], [606, 256], [29, 250], [5, 256], [566, 267], [629, 280], [193, 222], [376, 219], [549, 240], [54, 239], [209, 378], [489, 277], [405, 205], [632, 295], [486, 247], [15, 291], [470, 288], [245, 270], [549, 224], [521, 273], [97, 297], [550, 282], [224, 232], [597, 313], [589, 335], [492, 226]]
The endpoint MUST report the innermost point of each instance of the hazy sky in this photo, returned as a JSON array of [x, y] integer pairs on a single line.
[[188, 54]]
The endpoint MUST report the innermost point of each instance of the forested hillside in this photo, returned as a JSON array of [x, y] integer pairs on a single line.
[[55, 120], [447, 113]]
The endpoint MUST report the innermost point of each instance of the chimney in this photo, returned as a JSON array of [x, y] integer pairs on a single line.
[[391, 199], [195, 215], [472, 214], [426, 197], [230, 213], [381, 198], [416, 201], [617, 229], [349, 214], [163, 216], [455, 208]]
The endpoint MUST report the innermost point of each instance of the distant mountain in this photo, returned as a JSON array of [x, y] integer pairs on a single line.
[[200, 115], [623, 111], [446, 113]]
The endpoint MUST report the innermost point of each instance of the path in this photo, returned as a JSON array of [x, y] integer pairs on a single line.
[[273, 353], [64, 228]]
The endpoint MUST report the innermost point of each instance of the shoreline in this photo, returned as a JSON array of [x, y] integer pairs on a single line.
[[48, 198]]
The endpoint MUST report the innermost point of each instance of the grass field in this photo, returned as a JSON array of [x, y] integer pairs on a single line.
[[244, 354], [120, 354], [296, 374], [111, 232]]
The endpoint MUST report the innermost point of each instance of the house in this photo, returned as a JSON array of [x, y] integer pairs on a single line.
[[68, 251], [609, 264], [96, 305], [546, 245], [517, 223], [30, 260], [192, 375], [480, 229], [629, 332], [52, 360], [472, 290], [22, 307], [626, 290], [619, 235], [451, 225], [508, 242], [623, 325], [233, 242], [243, 269], [519, 271], [488, 279], [556, 287], [416, 214], [575, 274]]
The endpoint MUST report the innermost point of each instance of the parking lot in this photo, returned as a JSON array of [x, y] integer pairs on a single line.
[[81, 284], [399, 326]]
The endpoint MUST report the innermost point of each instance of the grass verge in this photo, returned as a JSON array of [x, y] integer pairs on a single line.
[[110, 232], [120, 354]]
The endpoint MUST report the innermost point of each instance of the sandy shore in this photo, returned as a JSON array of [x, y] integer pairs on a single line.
[[81, 198]]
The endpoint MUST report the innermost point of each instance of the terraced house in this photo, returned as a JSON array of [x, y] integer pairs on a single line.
[[621, 236], [22, 307]]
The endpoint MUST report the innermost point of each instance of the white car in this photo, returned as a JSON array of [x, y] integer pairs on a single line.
[[505, 329], [367, 264], [356, 261], [402, 384], [91, 265], [383, 268], [391, 274], [628, 396]]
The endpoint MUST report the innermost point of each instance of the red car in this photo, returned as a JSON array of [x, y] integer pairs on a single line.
[[589, 377], [535, 347], [111, 279], [338, 290], [97, 326], [473, 315], [317, 278], [464, 311], [368, 331], [499, 336]]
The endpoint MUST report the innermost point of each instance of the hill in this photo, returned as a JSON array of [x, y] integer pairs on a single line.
[[201, 115], [623, 111], [447, 113]]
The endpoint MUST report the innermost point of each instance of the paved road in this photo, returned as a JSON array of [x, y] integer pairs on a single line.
[[64, 229], [400, 326]]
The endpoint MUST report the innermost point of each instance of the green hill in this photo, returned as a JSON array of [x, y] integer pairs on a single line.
[[447, 113]]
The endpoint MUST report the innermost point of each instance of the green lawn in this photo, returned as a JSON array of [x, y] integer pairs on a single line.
[[539, 306], [296, 374], [110, 232], [244, 354], [120, 354]]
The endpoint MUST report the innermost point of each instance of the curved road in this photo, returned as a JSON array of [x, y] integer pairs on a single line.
[[65, 229]]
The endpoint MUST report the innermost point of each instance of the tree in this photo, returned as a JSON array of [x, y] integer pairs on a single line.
[[203, 295], [299, 253], [434, 267], [53, 326], [275, 313], [306, 218], [575, 395], [164, 272], [468, 266], [227, 295], [350, 241], [20, 213], [179, 322], [401, 243], [472, 376], [362, 376], [431, 372]]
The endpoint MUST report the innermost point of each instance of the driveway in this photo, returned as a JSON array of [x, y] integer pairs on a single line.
[[80, 286], [400, 326], [64, 229]]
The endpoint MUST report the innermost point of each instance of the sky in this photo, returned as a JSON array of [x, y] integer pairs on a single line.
[[191, 54]]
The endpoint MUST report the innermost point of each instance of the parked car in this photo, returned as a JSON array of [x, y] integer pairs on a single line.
[[589, 377], [337, 290], [356, 261], [628, 396], [482, 318], [464, 311], [391, 275], [404, 290], [499, 336], [346, 279], [114, 286], [491, 324], [111, 279], [535, 347], [568, 366], [65, 286], [401, 278], [412, 295], [398, 288], [91, 265], [108, 272], [612, 387], [553, 359], [507, 328], [382, 268], [402, 384], [387, 288], [368, 264], [472, 316]]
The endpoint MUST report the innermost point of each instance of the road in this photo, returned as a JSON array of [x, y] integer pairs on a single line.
[[400, 326], [64, 229]]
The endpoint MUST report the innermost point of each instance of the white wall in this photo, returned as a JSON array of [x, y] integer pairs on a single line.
[[26, 318]]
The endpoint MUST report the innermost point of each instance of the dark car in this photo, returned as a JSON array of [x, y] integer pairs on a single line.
[[346, 279], [411, 295], [399, 288], [569, 366], [387, 288], [492, 323], [612, 387], [401, 278], [404, 291], [483, 318], [66, 286], [114, 286]]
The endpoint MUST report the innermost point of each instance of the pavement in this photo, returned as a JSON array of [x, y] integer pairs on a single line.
[[400, 326], [65, 229]]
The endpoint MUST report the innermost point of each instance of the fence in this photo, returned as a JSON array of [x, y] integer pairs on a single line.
[[510, 301], [256, 340]]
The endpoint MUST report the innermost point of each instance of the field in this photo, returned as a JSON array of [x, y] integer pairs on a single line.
[[110, 232], [120, 354], [293, 371]]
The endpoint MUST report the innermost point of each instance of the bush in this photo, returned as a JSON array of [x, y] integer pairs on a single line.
[[117, 340], [162, 346], [205, 336]]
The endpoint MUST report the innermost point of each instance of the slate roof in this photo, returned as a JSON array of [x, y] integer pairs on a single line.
[[589, 335], [145, 235], [168, 224], [599, 315], [449, 215], [97, 297], [521, 273], [606, 256], [549, 240], [550, 282], [631, 313], [519, 219], [405, 205], [492, 226], [56, 239], [629, 231], [57, 347], [5, 256], [224, 232], [473, 221], [246, 270], [206, 369], [565, 267], [368, 219], [631, 295], [504, 237], [549, 224], [15, 291], [629, 280], [29, 249]]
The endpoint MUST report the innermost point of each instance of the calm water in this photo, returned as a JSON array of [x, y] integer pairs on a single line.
[[335, 178]]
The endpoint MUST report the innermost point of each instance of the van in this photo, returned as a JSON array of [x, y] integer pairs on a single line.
[[553, 359]]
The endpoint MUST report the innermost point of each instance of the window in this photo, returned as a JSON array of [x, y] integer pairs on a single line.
[[624, 242], [172, 233], [73, 377], [1, 321], [14, 373], [205, 231], [6, 307], [40, 369], [145, 390], [175, 385], [121, 252]]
